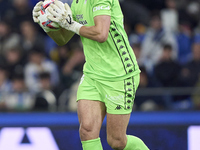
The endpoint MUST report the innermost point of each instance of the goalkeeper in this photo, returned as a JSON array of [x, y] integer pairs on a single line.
[[111, 73]]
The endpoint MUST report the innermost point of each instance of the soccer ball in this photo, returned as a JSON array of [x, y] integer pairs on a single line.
[[44, 21]]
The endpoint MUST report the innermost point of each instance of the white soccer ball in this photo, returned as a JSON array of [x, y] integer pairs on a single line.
[[44, 21]]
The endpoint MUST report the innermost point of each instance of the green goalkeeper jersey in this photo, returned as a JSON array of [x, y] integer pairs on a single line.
[[114, 59]]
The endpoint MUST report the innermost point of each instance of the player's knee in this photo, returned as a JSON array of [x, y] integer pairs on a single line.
[[85, 129], [116, 142]]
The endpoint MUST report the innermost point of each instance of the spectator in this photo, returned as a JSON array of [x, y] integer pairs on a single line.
[[45, 80], [70, 62], [45, 98], [20, 12], [184, 39], [75, 61], [19, 99], [5, 84], [138, 35], [152, 4], [143, 101], [18, 37], [191, 71], [193, 9], [139, 13], [30, 37], [39, 63], [4, 7], [167, 71], [169, 16], [60, 55], [188, 12], [155, 37], [46, 85], [137, 51], [15, 61], [8, 39]]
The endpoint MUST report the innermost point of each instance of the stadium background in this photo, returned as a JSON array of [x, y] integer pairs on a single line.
[[38, 79]]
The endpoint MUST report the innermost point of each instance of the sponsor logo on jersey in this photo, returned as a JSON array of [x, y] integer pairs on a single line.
[[101, 8], [84, 22], [80, 19]]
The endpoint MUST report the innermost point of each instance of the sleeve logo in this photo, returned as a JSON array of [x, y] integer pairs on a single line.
[[101, 8]]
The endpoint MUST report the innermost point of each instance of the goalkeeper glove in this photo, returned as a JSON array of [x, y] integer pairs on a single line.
[[36, 11], [63, 16], [37, 14]]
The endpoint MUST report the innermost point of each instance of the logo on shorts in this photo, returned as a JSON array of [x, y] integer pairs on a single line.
[[115, 98], [118, 107]]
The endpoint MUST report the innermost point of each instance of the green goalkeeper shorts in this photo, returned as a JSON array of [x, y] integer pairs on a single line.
[[118, 96]]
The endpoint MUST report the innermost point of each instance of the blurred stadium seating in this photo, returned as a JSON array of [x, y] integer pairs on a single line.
[[165, 36]]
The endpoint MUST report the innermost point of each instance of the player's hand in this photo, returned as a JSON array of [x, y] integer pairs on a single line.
[[36, 11], [63, 16], [59, 14]]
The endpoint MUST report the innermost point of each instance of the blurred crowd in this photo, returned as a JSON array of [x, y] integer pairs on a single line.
[[38, 75]]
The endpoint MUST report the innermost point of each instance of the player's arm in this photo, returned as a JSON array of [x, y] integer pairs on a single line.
[[98, 32], [61, 37]]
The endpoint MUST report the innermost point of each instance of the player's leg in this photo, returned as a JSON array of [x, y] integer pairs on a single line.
[[91, 112], [116, 134], [119, 98], [116, 130], [91, 115]]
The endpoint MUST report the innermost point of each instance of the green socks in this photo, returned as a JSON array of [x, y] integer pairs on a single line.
[[135, 143], [94, 144]]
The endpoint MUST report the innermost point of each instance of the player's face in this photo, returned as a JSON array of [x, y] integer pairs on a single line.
[[156, 23]]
